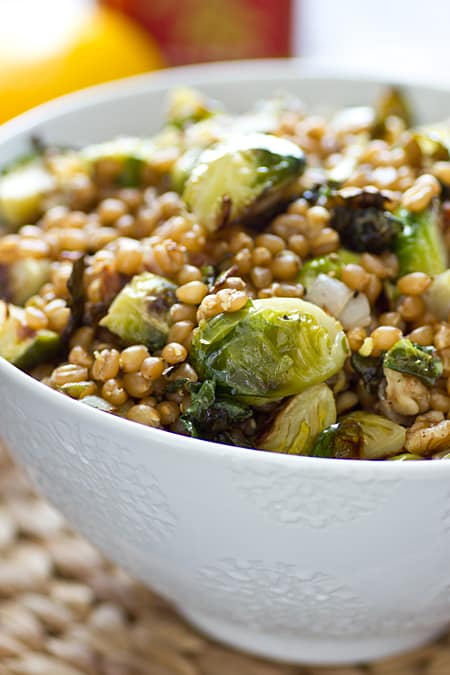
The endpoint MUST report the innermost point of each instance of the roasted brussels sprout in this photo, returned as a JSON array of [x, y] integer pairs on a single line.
[[130, 153], [295, 427], [22, 279], [140, 313], [382, 438], [419, 245], [363, 222], [437, 297], [22, 193], [272, 348], [417, 360], [211, 415], [188, 106], [331, 264], [241, 178], [19, 344], [343, 440]]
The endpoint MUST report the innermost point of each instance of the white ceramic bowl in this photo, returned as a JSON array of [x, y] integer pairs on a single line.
[[302, 559]]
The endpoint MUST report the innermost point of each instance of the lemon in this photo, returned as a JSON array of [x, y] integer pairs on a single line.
[[52, 47]]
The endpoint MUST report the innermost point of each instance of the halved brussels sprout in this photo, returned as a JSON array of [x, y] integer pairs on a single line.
[[382, 438], [140, 313], [420, 246], [19, 344], [22, 279], [241, 178], [188, 106], [344, 440], [437, 297], [22, 193], [417, 360], [272, 348], [130, 153], [331, 264], [296, 426]]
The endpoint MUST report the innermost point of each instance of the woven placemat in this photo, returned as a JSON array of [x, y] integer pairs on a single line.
[[64, 610]]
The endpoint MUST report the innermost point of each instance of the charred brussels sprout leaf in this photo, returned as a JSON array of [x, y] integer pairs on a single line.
[[210, 415], [344, 440], [437, 297], [241, 178], [362, 221], [370, 370], [297, 424], [382, 438], [420, 246], [22, 279], [367, 229], [330, 264], [77, 297], [140, 313], [411, 359], [19, 344], [273, 348], [391, 102]]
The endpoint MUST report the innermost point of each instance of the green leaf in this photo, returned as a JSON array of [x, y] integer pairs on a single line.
[[416, 360]]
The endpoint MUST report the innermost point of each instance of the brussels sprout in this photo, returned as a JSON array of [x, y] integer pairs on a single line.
[[331, 264], [404, 457], [362, 221], [419, 246], [19, 344], [411, 359], [272, 348], [130, 153], [241, 178], [382, 438], [343, 440], [22, 193], [210, 415], [370, 370], [187, 106], [140, 313], [392, 102], [298, 423], [22, 279], [437, 297]]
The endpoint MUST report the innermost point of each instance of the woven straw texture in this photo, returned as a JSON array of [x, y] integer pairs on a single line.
[[64, 610]]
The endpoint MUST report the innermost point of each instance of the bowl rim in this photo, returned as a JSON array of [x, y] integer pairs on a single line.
[[260, 69]]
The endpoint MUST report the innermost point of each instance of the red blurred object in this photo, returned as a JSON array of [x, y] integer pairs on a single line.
[[192, 31]]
